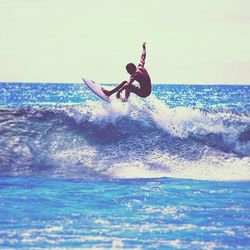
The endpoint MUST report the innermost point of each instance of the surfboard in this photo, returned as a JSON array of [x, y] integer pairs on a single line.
[[96, 88]]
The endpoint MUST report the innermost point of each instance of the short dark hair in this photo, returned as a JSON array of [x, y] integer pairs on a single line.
[[131, 68]]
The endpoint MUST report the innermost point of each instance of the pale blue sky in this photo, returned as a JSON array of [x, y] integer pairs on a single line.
[[195, 41]]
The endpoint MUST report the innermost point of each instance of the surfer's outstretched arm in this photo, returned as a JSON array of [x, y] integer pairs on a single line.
[[143, 55]]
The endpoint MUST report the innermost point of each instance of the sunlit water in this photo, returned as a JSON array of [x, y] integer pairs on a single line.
[[168, 172]]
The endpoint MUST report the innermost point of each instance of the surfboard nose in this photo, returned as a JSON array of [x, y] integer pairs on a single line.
[[97, 89]]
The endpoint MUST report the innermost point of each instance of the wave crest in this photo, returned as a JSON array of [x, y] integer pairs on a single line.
[[141, 138]]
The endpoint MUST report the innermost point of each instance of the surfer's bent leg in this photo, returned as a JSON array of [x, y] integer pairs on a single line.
[[127, 93], [128, 89], [111, 92]]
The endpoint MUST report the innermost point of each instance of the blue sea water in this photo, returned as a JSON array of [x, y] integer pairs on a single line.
[[168, 172]]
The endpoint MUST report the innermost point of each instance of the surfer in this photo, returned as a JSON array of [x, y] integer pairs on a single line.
[[138, 74]]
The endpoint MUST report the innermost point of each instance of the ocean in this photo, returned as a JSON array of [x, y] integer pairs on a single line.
[[171, 171]]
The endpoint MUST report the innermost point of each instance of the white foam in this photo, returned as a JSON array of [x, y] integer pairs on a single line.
[[208, 162], [135, 169], [182, 121], [210, 167], [102, 112]]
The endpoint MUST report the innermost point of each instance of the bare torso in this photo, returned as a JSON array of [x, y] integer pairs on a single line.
[[142, 77]]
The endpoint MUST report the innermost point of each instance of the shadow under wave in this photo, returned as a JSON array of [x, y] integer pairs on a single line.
[[72, 142]]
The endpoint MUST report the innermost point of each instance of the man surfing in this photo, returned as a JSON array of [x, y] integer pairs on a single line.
[[138, 74]]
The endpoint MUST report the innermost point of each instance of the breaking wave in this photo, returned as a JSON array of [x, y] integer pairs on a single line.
[[138, 139]]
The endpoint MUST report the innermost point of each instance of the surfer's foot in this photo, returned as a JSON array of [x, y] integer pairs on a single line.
[[106, 92]]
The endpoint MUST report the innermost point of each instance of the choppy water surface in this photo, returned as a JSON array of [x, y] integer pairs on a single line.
[[168, 172]]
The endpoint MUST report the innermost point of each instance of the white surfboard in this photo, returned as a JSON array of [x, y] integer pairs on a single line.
[[96, 88]]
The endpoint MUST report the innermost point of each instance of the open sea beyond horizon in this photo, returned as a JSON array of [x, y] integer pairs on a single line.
[[171, 171]]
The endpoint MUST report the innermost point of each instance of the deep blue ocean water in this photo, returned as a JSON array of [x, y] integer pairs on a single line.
[[168, 172]]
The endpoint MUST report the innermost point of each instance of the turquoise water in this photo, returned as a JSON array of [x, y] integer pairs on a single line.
[[124, 214], [168, 172]]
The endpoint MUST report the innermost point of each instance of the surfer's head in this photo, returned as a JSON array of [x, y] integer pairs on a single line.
[[131, 68]]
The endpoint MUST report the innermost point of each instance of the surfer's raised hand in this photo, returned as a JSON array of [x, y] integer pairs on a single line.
[[143, 55]]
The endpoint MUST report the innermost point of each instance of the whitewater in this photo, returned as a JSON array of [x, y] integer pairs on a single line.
[[138, 139], [170, 171]]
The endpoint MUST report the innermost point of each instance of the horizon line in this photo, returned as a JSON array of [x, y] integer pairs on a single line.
[[111, 83]]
